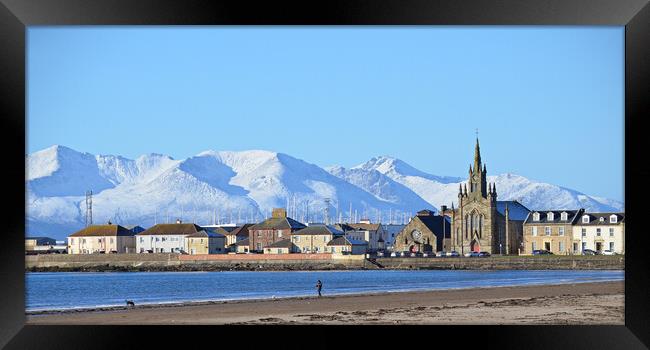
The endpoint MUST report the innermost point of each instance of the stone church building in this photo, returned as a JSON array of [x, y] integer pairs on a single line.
[[481, 223]]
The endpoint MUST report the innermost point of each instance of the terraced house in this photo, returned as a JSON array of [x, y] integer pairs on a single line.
[[166, 238], [599, 232], [314, 238], [373, 234], [550, 230], [107, 238], [271, 230]]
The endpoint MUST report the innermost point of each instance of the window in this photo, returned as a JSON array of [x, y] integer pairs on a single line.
[[259, 246], [584, 245], [584, 232], [279, 233], [575, 247], [547, 230], [141, 239], [564, 216], [324, 238], [613, 219], [601, 219], [534, 246], [550, 216], [534, 231], [71, 240], [164, 239], [259, 234], [598, 232], [535, 216], [561, 231], [83, 240], [611, 232], [561, 246], [611, 246], [157, 239], [585, 219]]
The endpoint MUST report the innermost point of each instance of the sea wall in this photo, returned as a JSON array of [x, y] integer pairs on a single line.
[[177, 262]]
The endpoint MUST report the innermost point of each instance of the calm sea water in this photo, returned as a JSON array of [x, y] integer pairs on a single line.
[[57, 290]]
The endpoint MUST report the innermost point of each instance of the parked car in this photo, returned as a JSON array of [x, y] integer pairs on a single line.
[[404, 254], [608, 252], [394, 254], [541, 252], [453, 254], [380, 254], [589, 252], [483, 254], [441, 254], [468, 254]]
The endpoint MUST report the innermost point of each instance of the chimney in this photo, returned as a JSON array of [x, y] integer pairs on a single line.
[[178, 221], [279, 213]]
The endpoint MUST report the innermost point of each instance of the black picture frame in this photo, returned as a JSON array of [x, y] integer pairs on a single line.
[[15, 15]]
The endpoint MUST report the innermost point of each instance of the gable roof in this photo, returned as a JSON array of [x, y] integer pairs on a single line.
[[243, 242], [319, 230], [434, 224], [342, 240], [283, 243], [357, 227], [102, 230], [171, 229], [516, 210], [217, 230], [572, 216], [277, 224], [241, 230]]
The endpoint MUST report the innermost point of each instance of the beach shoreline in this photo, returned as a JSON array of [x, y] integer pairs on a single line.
[[570, 303]]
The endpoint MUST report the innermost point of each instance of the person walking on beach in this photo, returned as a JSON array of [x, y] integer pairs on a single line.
[[319, 286]]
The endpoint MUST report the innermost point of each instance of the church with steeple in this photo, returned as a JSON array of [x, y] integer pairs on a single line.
[[480, 222]]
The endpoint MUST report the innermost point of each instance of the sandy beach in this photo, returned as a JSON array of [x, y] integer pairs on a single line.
[[581, 303]]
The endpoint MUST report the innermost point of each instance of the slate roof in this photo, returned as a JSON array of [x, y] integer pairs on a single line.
[[319, 230], [283, 243], [517, 211], [218, 230], [572, 216], [135, 228], [357, 227], [345, 241], [594, 218], [171, 229], [204, 233], [243, 242], [434, 224], [277, 224], [103, 230], [241, 230], [42, 240]]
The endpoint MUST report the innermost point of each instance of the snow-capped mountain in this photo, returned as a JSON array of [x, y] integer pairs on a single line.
[[535, 195], [211, 186], [244, 186]]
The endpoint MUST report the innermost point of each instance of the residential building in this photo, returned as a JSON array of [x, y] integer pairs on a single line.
[[271, 230], [107, 238], [550, 230], [135, 228], [165, 238], [283, 246], [242, 246], [481, 223], [599, 231], [425, 232], [44, 245], [374, 234], [236, 234], [345, 245], [391, 231], [314, 238], [206, 242]]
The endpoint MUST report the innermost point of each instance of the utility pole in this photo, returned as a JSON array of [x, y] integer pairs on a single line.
[[327, 211], [89, 208]]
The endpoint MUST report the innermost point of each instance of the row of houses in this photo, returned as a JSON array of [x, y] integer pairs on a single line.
[[557, 231]]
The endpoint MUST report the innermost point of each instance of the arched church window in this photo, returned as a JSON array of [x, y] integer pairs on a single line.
[[480, 226]]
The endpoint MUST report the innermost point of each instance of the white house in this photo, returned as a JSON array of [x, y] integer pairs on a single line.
[[165, 238], [373, 234], [600, 231]]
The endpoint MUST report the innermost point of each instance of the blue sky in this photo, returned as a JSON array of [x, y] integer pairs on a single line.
[[548, 101]]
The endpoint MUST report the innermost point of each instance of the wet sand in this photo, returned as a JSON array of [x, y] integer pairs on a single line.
[[580, 303]]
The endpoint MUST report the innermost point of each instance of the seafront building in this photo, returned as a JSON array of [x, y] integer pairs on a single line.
[[364, 230], [599, 232], [271, 230], [345, 245], [166, 238], [314, 238], [206, 242], [551, 230], [107, 238], [44, 245], [425, 232]]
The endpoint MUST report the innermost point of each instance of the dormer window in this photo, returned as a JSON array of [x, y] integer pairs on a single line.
[[550, 216], [601, 219], [613, 219], [564, 216], [585, 219], [535, 216]]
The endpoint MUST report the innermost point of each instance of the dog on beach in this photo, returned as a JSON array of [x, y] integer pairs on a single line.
[[130, 303]]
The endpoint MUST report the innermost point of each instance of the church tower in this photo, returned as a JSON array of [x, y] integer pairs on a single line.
[[477, 176]]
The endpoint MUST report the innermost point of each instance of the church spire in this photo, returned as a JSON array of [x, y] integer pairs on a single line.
[[477, 156]]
